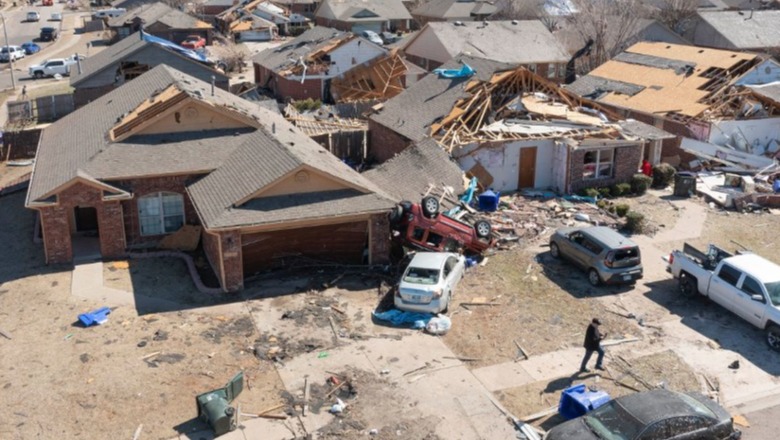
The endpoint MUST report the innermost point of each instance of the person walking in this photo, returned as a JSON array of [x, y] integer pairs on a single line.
[[592, 343]]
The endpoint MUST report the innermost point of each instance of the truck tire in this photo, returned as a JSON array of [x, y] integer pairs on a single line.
[[430, 206], [396, 214], [555, 251], [38, 74], [593, 277], [482, 228], [688, 286], [773, 337]]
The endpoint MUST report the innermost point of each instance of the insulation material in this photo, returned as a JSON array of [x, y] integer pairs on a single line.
[[382, 79]]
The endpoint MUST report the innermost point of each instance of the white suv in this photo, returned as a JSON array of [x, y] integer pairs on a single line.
[[11, 53], [33, 16]]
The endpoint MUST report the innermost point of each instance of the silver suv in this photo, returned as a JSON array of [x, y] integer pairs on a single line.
[[607, 256]]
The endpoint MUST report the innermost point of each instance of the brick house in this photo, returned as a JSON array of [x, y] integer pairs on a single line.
[[680, 89], [512, 129], [327, 54], [160, 20], [167, 149], [128, 59], [361, 15], [453, 10], [438, 42]]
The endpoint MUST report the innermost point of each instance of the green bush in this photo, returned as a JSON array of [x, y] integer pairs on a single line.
[[640, 183], [663, 175], [635, 222], [307, 104], [605, 192], [621, 210], [589, 192], [621, 189], [611, 208], [602, 204]]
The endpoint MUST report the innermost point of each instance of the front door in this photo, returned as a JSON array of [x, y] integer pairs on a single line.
[[86, 219], [527, 174]]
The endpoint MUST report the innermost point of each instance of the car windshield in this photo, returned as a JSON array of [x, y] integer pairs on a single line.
[[697, 406], [4, 50], [612, 422], [773, 289], [419, 275]]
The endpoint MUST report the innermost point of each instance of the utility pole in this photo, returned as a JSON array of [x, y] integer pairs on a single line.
[[10, 58]]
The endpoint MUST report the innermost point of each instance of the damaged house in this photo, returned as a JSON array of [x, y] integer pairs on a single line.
[[160, 20], [331, 66], [511, 129], [363, 15], [168, 150], [258, 20]]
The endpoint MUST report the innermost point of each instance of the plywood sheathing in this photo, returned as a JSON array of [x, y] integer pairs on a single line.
[[490, 100], [666, 91], [381, 79], [148, 109]]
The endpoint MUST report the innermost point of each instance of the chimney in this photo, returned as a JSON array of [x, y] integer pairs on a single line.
[[213, 81], [273, 128], [78, 62]]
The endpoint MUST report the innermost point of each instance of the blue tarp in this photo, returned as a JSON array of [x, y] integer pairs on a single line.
[[464, 72], [404, 319], [174, 47]]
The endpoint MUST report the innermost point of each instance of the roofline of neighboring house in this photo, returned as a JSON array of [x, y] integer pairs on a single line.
[[144, 46], [27, 202]]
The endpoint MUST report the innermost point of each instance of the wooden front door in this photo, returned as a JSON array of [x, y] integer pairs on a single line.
[[527, 175]]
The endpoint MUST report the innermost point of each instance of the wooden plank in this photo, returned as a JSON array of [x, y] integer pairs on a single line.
[[538, 415], [5, 334]]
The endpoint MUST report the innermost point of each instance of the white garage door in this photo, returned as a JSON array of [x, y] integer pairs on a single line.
[[359, 27]]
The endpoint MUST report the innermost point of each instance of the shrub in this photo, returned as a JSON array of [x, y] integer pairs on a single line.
[[611, 208], [307, 104], [621, 210], [635, 222], [602, 204], [640, 183], [620, 189], [589, 192], [663, 175], [605, 192]]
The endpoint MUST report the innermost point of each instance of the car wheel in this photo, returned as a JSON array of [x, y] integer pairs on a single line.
[[38, 75], [773, 337], [555, 251], [482, 228], [430, 206], [406, 205], [446, 308], [396, 214], [593, 277], [687, 286]]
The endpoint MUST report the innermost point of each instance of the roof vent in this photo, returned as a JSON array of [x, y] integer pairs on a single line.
[[458, 23]]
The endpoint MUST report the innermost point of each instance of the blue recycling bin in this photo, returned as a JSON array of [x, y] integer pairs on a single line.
[[488, 200], [577, 400]]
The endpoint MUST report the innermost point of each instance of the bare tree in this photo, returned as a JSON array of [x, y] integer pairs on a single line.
[[678, 15], [530, 10], [232, 56], [611, 24]]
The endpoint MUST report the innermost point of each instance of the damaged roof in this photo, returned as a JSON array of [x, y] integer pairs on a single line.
[[314, 39], [455, 8], [236, 162], [159, 13], [663, 78], [740, 30], [412, 112], [410, 174], [522, 42]]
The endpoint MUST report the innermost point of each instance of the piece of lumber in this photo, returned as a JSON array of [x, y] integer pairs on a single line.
[[341, 312], [150, 355], [523, 352], [539, 415], [463, 359], [273, 408], [273, 416], [330, 393], [5, 334], [333, 327], [618, 341], [137, 434], [306, 389], [740, 420], [480, 303], [709, 383], [416, 370]]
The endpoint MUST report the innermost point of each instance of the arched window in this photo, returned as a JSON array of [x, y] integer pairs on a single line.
[[160, 213]]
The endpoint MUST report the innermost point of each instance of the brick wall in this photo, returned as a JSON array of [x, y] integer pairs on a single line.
[[142, 187], [285, 88], [56, 223], [231, 258], [625, 166], [84, 96], [379, 251], [383, 142]]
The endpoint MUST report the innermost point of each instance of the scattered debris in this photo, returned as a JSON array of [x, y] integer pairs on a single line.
[[5, 334], [734, 365], [95, 317]]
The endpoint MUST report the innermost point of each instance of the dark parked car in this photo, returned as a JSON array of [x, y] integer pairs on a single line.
[[607, 256], [49, 34], [651, 415], [390, 37]]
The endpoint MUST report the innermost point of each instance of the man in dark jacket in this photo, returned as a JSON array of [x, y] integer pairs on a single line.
[[592, 343]]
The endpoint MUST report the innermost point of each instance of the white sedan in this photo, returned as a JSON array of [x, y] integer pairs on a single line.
[[429, 282]]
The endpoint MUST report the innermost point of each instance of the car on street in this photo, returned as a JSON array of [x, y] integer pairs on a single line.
[[422, 226], [33, 16], [606, 255], [651, 415], [30, 48], [56, 17], [52, 67], [429, 282], [11, 53], [372, 37], [193, 42], [49, 34], [390, 37]]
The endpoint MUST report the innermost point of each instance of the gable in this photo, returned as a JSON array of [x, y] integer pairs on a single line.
[[192, 116], [365, 13], [428, 45], [301, 180]]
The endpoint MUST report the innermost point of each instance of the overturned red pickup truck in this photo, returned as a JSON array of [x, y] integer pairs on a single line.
[[423, 226]]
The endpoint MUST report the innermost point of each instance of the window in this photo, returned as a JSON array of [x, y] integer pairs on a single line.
[[751, 286], [532, 68], [598, 164], [729, 274], [551, 70], [160, 213], [591, 246]]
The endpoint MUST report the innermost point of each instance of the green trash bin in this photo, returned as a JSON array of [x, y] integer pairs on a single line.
[[684, 184]]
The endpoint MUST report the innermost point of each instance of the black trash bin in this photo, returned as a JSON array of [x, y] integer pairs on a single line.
[[684, 184]]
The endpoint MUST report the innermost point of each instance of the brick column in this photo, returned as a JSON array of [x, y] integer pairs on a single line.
[[56, 234], [112, 229], [379, 235], [232, 261]]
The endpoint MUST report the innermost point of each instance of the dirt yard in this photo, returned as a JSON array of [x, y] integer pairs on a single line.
[[63, 381]]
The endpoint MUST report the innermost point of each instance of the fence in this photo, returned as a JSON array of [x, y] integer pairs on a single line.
[[43, 109]]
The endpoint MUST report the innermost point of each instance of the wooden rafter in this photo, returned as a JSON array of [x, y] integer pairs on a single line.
[[382, 78]]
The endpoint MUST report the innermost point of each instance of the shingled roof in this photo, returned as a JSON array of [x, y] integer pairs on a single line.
[[739, 30], [349, 10], [454, 8], [410, 174], [238, 162], [413, 111], [159, 13], [313, 39]]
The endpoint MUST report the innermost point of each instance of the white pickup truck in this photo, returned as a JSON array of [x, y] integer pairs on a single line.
[[52, 67], [745, 284]]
